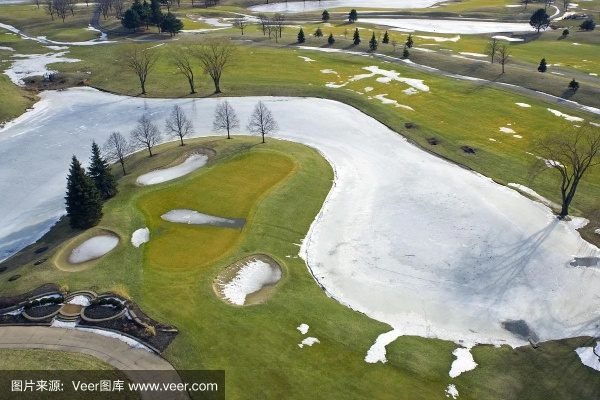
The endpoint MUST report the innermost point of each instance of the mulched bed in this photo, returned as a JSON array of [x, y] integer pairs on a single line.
[[100, 312], [41, 311], [15, 320], [6, 302]]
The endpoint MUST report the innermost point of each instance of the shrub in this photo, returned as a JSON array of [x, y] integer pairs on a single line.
[[565, 32], [27, 306], [574, 85], [44, 300], [150, 330], [35, 303], [588, 25]]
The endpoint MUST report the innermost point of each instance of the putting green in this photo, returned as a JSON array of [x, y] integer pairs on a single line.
[[230, 190]]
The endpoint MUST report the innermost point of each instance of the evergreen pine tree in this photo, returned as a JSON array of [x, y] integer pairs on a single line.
[[573, 85], [331, 39], [99, 171], [356, 36], [84, 207], [373, 43], [131, 20], [318, 33], [386, 38], [156, 13], [171, 24], [409, 41], [405, 53], [301, 38], [353, 16], [543, 66], [325, 15]]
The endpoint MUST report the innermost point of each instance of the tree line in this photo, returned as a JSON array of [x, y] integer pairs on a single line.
[[86, 190], [150, 14], [214, 56]]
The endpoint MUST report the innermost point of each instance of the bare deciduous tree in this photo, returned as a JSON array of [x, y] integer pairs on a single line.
[[240, 23], [262, 121], [178, 124], [145, 134], [570, 154], [49, 6], [116, 148], [140, 61], [225, 118], [264, 21], [118, 6], [104, 7], [60, 7], [279, 22], [71, 4], [492, 48], [182, 59], [503, 55], [215, 55]]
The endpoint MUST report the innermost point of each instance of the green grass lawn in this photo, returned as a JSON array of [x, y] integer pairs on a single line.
[[44, 365], [279, 187]]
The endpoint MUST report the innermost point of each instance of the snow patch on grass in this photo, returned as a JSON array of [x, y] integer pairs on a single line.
[[506, 130], [385, 100], [508, 39], [534, 194], [303, 328], [587, 356], [524, 105], [140, 237], [377, 352], [565, 116], [6, 48], [473, 54], [368, 89], [451, 389], [309, 341], [307, 59], [34, 65], [464, 362], [441, 39]]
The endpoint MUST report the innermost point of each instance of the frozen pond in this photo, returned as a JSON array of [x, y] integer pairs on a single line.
[[405, 237], [300, 6], [449, 26], [192, 217], [192, 163], [93, 248], [250, 278]]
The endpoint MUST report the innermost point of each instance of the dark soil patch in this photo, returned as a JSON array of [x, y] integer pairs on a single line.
[[40, 261], [2, 269], [468, 150], [41, 311], [14, 278], [409, 125], [13, 320], [432, 141], [6, 302], [100, 312], [41, 250]]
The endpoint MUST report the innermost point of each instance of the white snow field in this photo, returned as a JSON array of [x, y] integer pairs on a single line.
[[464, 362], [191, 163], [140, 237], [250, 278], [304, 6], [409, 239], [24, 65], [93, 248], [466, 27]]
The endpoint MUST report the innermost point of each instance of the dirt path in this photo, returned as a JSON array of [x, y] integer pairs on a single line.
[[135, 363]]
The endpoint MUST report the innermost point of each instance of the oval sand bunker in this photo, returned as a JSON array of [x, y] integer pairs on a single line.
[[93, 248], [192, 163], [192, 217], [249, 281]]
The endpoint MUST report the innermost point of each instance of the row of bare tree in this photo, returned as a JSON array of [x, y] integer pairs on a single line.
[[146, 134], [214, 56]]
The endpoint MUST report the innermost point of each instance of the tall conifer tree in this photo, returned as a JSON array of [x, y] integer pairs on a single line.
[[99, 171], [84, 207]]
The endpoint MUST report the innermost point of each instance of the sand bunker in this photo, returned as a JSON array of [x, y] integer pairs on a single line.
[[248, 277], [140, 237], [192, 163], [192, 217], [93, 248]]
